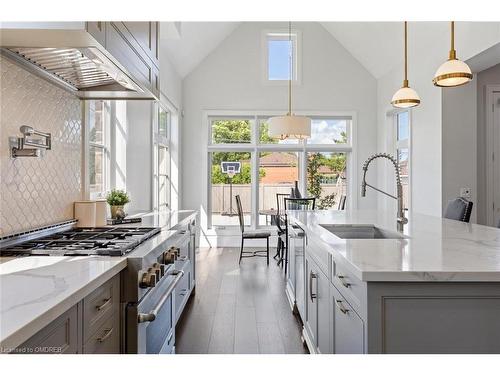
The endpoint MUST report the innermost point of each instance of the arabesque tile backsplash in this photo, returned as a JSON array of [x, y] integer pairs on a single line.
[[38, 191]]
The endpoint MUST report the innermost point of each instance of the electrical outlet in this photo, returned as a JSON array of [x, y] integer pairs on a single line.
[[465, 193]]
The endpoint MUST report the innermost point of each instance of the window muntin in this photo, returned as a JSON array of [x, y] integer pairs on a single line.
[[224, 189], [279, 47], [329, 131]]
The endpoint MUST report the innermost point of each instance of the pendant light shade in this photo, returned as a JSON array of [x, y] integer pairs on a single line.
[[405, 97], [290, 126], [452, 72]]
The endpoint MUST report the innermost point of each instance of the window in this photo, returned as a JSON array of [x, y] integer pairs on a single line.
[[161, 175], [268, 166], [402, 123], [98, 147], [278, 48]]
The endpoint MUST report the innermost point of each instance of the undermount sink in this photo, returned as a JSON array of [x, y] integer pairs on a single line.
[[361, 231]]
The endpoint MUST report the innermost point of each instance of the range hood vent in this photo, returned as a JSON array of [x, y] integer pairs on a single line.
[[79, 68]]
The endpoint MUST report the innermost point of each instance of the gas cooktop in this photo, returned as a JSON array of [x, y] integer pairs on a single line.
[[84, 241]]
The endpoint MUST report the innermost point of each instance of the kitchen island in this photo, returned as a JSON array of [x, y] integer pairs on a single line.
[[433, 289]]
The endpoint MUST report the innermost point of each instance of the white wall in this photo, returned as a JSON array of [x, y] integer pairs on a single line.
[[139, 153], [489, 76], [230, 79], [459, 146], [427, 49]]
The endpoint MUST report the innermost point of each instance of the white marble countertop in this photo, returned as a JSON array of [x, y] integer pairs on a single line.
[[35, 290], [435, 249]]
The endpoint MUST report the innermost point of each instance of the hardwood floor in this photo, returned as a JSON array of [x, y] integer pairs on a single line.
[[238, 309]]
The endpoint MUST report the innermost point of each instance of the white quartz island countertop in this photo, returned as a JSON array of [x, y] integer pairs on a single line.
[[434, 249], [36, 290]]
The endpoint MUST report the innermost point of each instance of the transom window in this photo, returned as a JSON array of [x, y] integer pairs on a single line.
[[268, 166], [278, 48]]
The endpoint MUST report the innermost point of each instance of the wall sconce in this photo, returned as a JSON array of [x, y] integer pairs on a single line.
[[20, 150]]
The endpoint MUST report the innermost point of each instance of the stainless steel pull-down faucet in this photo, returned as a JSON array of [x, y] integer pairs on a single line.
[[401, 219]]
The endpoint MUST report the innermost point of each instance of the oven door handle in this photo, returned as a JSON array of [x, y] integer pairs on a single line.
[[149, 317]]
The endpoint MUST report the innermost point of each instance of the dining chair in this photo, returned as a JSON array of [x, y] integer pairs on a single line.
[[280, 224], [251, 235], [341, 205], [291, 204], [459, 209]]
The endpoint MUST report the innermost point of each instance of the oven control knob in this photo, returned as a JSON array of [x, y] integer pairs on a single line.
[[148, 280], [155, 271], [159, 269]]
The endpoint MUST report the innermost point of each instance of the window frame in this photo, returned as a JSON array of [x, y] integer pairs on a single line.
[[161, 141], [255, 148], [106, 147], [297, 62], [403, 144]]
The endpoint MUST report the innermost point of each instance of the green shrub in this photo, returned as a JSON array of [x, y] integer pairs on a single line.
[[117, 198]]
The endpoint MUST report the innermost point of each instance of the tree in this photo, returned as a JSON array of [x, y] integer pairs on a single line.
[[336, 164]]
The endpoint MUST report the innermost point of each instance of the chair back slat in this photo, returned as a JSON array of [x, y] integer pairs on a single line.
[[240, 213], [300, 203]]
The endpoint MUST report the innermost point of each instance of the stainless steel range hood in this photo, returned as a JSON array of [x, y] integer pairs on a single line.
[[73, 60]]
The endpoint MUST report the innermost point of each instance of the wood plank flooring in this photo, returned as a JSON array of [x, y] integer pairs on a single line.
[[238, 309]]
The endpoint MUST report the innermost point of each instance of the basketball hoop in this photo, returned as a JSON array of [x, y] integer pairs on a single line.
[[230, 168]]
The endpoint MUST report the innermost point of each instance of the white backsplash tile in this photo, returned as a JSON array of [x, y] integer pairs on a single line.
[[38, 191]]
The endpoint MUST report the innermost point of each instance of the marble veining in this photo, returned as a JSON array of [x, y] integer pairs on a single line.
[[435, 249], [35, 290]]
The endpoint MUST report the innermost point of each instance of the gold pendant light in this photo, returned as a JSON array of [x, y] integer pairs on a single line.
[[453, 72], [405, 97], [290, 126]]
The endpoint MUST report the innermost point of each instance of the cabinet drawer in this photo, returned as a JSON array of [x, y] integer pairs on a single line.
[[348, 327], [319, 254], [60, 336], [353, 289], [105, 340], [183, 290], [99, 305]]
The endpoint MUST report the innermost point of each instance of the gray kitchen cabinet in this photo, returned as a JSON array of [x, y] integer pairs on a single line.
[[347, 329], [90, 326], [97, 30], [62, 336], [317, 322], [135, 45]]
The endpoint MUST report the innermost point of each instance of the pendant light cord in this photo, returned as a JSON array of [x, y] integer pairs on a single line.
[[405, 84], [290, 68], [453, 53]]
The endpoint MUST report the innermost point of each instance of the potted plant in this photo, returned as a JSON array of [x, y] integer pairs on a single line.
[[116, 200]]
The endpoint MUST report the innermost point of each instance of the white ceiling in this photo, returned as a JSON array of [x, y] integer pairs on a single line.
[[188, 43], [378, 46]]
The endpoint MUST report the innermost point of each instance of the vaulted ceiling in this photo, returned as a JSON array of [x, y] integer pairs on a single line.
[[378, 46]]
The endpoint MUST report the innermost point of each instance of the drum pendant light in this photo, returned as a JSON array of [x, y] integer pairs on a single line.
[[405, 97], [290, 126], [453, 72]]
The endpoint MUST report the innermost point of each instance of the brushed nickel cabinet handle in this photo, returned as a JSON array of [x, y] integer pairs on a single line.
[[312, 275], [106, 335], [341, 306], [342, 281], [107, 301]]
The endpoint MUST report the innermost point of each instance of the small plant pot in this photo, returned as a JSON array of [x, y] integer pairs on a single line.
[[117, 212]]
